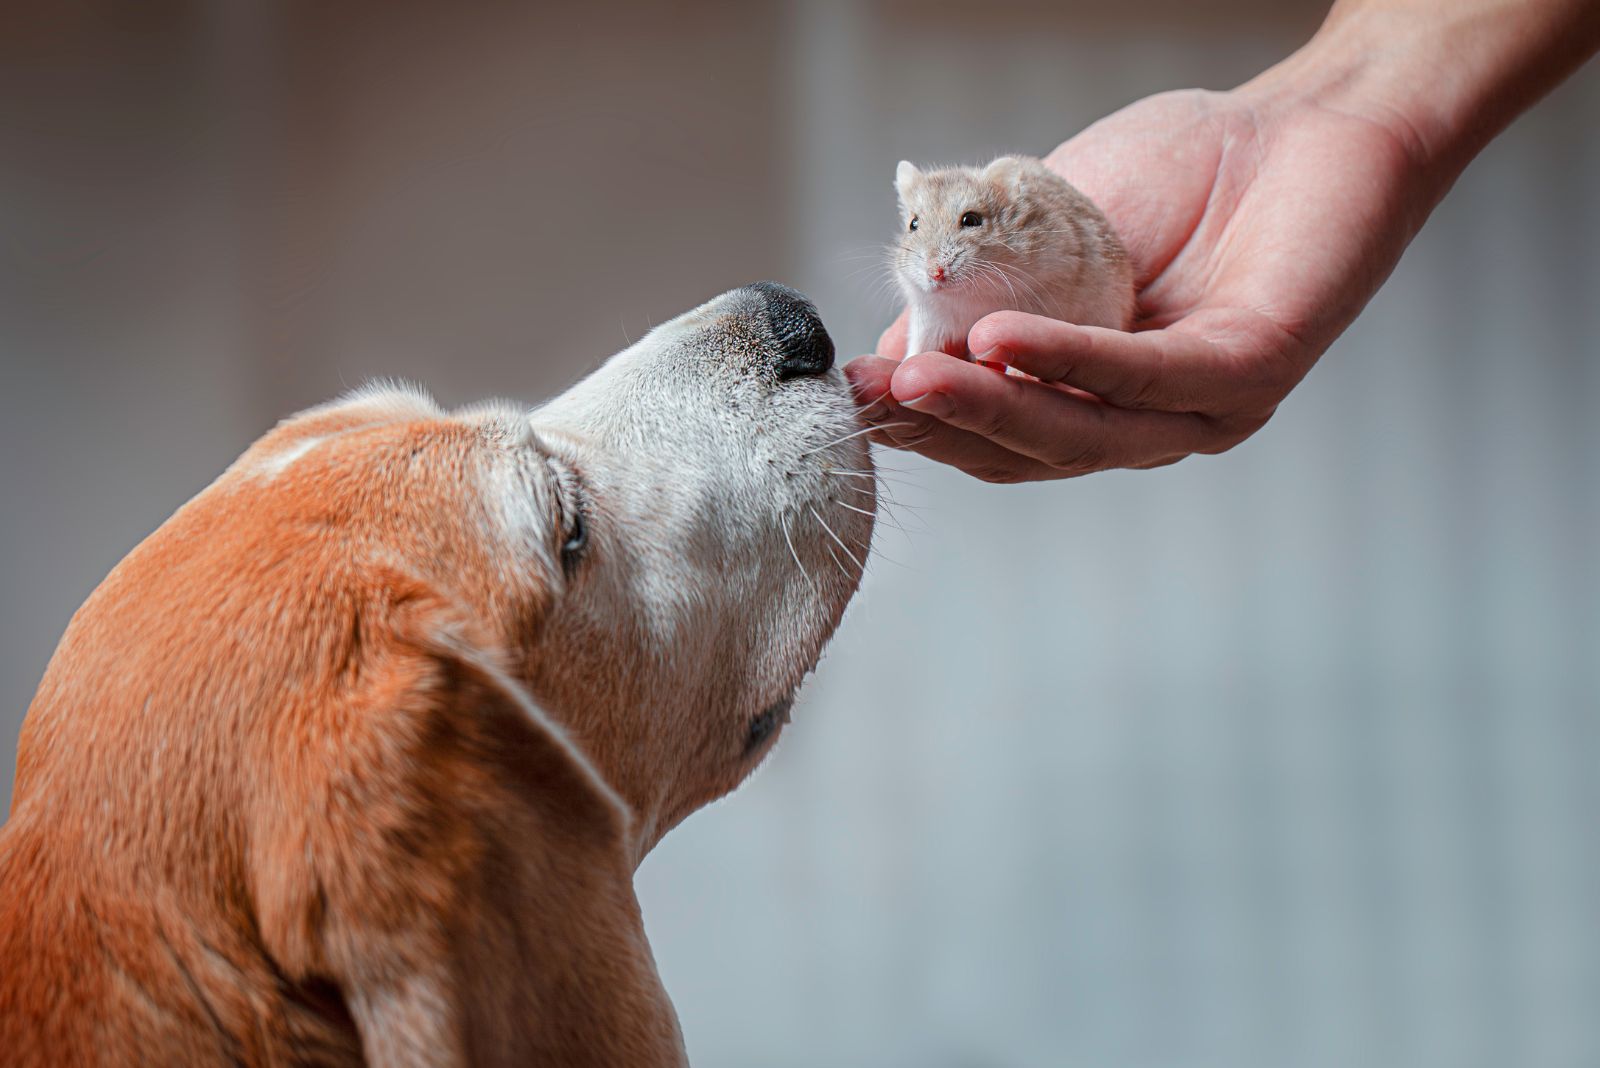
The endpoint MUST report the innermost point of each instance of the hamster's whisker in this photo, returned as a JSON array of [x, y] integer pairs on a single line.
[[1004, 278], [878, 286], [996, 278], [1029, 280], [863, 251], [1023, 278], [884, 288], [1019, 270]]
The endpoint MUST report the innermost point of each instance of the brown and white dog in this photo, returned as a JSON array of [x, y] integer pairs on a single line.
[[353, 759]]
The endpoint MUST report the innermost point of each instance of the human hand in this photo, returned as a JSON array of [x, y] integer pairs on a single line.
[[1259, 222], [1258, 227]]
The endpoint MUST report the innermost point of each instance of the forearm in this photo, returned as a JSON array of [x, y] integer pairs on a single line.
[[1445, 76]]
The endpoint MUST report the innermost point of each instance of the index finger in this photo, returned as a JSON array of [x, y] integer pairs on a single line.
[[1069, 434], [1166, 370]]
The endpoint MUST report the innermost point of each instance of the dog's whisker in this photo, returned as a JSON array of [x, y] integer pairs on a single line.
[[868, 494], [911, 530], [853, 508], [881, 470], [837, 562], [881, 480], [874, 553], [893, 509], [881, 520], [790, 542], [879, 489], [878, 481], [891, 520], [847, 437], [880, 495], [840, 541]]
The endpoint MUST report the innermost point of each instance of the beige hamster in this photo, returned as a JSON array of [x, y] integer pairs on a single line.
[[1011, 235]]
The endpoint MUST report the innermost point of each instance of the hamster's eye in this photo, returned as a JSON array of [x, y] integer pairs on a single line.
[[913, 224], [971, 218]]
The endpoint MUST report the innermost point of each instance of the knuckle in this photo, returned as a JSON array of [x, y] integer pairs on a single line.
[[913, 436], [989, 424], [1269, 377], [1077, 457], [1218, 446], [1000, 474], [1229, 432], [1143, 395], [879, 437]]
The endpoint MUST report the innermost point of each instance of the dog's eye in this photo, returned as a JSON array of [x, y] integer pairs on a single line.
[[577, 535], [913, 223], [574, 518], [577, 539], [971, 218]]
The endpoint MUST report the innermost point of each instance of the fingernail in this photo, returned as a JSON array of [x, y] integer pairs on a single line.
[[997, 354], [930, 403]]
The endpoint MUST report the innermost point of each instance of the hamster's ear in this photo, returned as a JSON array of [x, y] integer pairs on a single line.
[[1004, 168], [904, 175]]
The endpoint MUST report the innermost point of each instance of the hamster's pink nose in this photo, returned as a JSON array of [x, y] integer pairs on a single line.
[[936, 273]]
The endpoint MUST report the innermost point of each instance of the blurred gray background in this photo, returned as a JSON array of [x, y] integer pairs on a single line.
[[1285, 757]]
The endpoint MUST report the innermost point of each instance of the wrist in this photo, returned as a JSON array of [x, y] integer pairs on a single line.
[[1442, 78]]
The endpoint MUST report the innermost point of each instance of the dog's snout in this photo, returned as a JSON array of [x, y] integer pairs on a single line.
[[803, 344]]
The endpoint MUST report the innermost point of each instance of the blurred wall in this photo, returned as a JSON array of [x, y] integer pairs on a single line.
[[1285, 757]]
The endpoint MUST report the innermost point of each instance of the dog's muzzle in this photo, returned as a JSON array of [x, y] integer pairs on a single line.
[[804, 347]]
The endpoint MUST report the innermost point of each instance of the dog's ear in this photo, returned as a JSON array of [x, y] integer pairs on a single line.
[[458, 869]]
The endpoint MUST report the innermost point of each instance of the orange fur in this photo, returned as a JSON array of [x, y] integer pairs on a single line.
[[282, 797]]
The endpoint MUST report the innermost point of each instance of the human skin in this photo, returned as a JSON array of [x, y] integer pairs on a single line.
[[1260, 221]]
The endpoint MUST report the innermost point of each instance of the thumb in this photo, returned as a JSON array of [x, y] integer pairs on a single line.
[[892, 342]]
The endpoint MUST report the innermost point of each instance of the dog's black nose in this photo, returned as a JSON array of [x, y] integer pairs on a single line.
[[803, 345]]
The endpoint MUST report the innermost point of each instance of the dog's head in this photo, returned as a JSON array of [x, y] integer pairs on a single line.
[[713, 508], [398, 703], [658, 555]]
